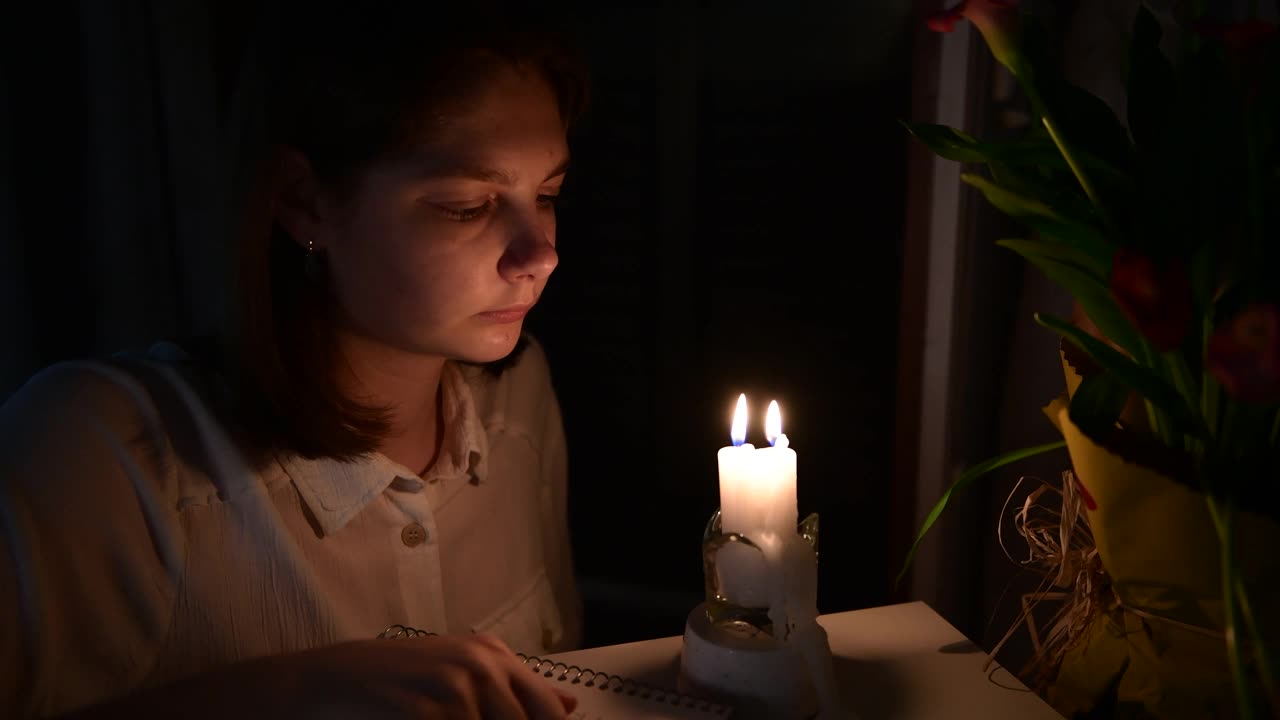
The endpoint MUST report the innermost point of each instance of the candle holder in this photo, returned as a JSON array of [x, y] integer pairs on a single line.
[[755, 643], [731, 600]]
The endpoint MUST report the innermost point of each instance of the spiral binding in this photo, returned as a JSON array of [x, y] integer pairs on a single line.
[[586, 677]]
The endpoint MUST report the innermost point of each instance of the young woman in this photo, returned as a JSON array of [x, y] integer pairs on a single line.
[[186, 536]]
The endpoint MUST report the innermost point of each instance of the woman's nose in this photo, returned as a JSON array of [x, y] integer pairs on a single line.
[[531, 253]]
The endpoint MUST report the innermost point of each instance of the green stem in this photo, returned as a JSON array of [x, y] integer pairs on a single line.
[[1235, 654], [1159, 428], [1078, 170], [1185, 385], [1153, 418], [1261, 653], [1226, 437], [1209, 386], [1064, 148]]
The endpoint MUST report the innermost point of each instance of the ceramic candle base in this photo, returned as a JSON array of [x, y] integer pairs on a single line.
[[755, 644], [736, 664]]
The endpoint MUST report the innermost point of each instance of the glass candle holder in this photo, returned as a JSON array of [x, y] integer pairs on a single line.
[[741, 580]]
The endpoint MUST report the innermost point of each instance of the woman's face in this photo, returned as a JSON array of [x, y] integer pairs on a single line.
[[442, 251]]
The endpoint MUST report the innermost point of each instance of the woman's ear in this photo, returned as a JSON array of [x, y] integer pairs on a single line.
[[298, 200]]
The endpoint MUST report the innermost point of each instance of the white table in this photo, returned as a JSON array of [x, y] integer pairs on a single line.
[[898, 661]]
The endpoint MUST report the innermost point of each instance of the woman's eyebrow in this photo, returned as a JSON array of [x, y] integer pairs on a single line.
[[427, 168], [561, 168], [435, 167]]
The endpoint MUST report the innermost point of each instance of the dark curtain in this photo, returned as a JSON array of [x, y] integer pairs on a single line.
[[119, 144]]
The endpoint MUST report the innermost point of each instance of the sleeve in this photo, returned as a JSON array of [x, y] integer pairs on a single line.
[[555, 477], [91, 548]]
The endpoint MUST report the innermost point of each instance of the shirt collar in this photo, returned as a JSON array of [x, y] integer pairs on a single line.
[[335, 491]]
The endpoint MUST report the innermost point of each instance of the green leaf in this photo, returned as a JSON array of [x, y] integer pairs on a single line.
[[1097, 404], [1058, 252], [1059, 190], [948, 142], [1043, 218], [1085, 281], [1034, 149], [967, 477], [1141, 380], [1009, 202], [1085, 238], [1087, 122], [1202, 271], [1095, 299]]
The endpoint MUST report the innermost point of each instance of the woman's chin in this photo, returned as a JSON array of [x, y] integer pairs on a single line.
[[493, 345]]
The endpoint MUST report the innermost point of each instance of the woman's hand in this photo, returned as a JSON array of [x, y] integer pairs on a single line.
[[449, 676]]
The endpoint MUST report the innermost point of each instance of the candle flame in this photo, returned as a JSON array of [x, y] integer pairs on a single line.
[[773, 422], [738, 430]]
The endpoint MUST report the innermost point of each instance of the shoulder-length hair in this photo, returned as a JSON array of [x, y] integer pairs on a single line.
[[355, 83]]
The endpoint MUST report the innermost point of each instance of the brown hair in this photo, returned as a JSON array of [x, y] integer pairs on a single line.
[[354, 84]]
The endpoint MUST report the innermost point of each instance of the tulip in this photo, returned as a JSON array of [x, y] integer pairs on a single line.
[[997, 20], [1246, 44], [1156, 300], [1244, 355], [1242, 39]]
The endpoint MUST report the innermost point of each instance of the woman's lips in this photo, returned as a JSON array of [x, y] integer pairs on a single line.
[[512, 314]]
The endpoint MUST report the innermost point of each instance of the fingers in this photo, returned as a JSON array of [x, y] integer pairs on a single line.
[[541, 699], [499, 702], [481, 676], [567, 699]]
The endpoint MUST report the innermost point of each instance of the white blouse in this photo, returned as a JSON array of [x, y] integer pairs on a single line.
[[137, 546]]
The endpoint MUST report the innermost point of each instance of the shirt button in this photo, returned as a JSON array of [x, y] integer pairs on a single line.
[[404, 484], [413, 534]]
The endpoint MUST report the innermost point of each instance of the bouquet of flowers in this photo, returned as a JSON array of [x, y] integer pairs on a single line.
[[1163, 226]]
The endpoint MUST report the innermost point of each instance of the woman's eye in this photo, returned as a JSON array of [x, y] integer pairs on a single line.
[[463, 214], [548, 200]]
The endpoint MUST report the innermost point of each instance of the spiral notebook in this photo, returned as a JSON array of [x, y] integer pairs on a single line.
[[602, 696]]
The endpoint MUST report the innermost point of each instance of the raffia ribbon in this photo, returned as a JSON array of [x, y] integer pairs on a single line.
[[1061, 549]]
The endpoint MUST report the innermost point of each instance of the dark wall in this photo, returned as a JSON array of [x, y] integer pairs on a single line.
[[732, 224]]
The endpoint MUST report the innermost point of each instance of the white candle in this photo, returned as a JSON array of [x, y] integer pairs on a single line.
[[757, 486], [757, 500], [777, 471]]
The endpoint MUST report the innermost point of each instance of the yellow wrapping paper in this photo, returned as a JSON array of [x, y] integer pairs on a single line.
[[1157, 650]]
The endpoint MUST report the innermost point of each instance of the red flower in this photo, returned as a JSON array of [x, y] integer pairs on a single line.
[[1244, 355], [1246, 43], [1240, 38], [976, 10], [997, 20], [1156, 300]]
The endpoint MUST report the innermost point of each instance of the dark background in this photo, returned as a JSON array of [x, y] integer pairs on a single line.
[[744, 214], [732, 224]]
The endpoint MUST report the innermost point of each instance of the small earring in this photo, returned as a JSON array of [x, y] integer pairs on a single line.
[[311, 265]]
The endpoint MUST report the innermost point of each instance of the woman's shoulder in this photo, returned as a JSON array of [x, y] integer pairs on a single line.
[[71, 389], [119, 386], [125, 402], [72, 423]]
